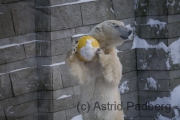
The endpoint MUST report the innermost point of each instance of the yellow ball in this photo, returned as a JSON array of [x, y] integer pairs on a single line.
[[87, 48]]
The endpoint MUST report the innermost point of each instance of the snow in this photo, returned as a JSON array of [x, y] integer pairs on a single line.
[[160, 117], [111, 10], [78, 35], [63, 96], [9, 45], [78, 117], [55, 64], [72, 3], [168, 64], [130, 28], [142, 5], [141, 43], [171, 4], [152, 83], [154, 23], [174, 49], [88, 51], [136, 5], [173, 99], [20, 69], [124, 87]]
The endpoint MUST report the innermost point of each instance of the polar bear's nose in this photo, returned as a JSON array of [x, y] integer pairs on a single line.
[[130, 31]]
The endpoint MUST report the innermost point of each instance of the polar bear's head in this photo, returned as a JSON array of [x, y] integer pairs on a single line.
[[110, 33]]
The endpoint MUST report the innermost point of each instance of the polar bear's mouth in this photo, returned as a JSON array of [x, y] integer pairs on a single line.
[[124, 37]]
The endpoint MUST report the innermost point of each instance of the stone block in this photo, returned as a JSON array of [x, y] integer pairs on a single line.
[[152, 41], [2, 58], [7, 1], [125, 46], [76, 99], [52, 2], [24, 80], [63, 17], [14, 53], [14, 112], [68, 33], [147, 118], [125, 11], [6, 23], [141, 7], [2, 115], [30, 62], [65, 91], [30, 49], [68, 79], [174, 83], [157, 7], [43, 36], [5, 41], [6, 68], [1, 1], [76, 89], [61, 46], [174, 74], [55, 105], [83, 30], [173, 31], [24, 98], [157, 32], [4, 103], [154, 59], [70, 113], [5, 86], [50, 77], [42, 19], [93, 12], [143, 31], [131, 112], [29, 117], [24, 20], [130, 21], [43, 48], [58, 58], [128, 60], [173, 7], [44, 60], [173, 18], [23, 38], [131, 86], [53, 116], [129, 98]]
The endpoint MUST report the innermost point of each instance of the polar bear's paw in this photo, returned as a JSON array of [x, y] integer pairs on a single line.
[[74, 47]]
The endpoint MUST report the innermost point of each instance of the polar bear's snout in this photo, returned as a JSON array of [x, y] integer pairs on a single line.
[[124, 32]]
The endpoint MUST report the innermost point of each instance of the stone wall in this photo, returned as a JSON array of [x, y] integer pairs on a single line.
[[35, 36]]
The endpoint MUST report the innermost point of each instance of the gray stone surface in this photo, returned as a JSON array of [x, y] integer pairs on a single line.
[[59, 47], [24, 81], [70, 113], [5, 41], [76, 89], [6, 29], [83, 30], [7, 1], [131, 112], [141, 8], [58, 58], [2, 58], [30, 62], [53, 116], [50, 77], [125, 46], [173, 18], [128, 61], [30, 117], [44, 60], [52, 2], [5, 86], [30, 49], [24, 98], [175, 8], [64, 17], [126, 10], [23, 38], [14, 53], [172, 29], [68, 79], [96, 12], [43, 36], [21, 110], [4, 103], [174, 83], [24, 19], [43, 48], [2, 115], [42, 19], [56, 35], [55, 105]]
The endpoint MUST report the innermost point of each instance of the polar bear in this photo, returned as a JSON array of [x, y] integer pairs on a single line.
[[99, 79]]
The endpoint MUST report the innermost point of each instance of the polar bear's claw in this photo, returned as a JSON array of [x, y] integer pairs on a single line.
[[74, 48]]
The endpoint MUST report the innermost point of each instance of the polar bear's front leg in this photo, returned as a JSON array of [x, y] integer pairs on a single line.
[[111, 66], [77, 68]]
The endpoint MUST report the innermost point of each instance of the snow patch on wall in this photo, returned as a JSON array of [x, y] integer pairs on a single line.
[[78, 117], [152, 83], [154, 23], [124, 87], [168, 64], [63, 96]]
